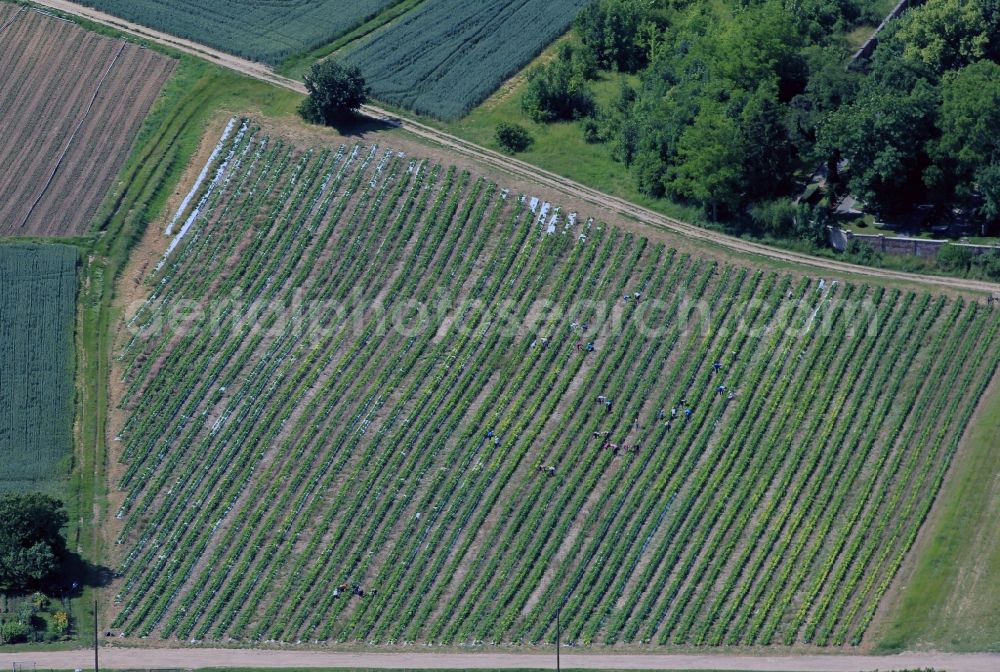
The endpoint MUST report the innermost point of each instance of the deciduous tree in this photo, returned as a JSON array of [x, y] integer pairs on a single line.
[[31, 541], [969, 122], [335, 92]]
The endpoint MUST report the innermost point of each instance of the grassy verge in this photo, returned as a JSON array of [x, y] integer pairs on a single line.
[[948, 598], [296, 66]]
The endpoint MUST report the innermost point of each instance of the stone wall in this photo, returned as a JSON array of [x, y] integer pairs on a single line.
[[868, 47], [917, 247]]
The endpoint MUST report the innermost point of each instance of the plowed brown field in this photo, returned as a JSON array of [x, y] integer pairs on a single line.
[[71, 103]]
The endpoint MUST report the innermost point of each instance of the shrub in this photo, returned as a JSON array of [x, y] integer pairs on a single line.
[[591, 132], [40, 601], [558, 91], [863, 254], [954, 258], [776, 217], [14, 633], [61, 622], [513, 137]]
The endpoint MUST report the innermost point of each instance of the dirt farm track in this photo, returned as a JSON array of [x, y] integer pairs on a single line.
[[197, 658]]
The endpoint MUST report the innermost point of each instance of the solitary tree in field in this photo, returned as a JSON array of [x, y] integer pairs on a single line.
[[31, 541], [335, 92]]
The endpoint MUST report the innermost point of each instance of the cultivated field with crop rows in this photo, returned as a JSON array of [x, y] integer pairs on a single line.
[[444, 58], [72, 102], [371, 398], [37, 308], [262, 30]]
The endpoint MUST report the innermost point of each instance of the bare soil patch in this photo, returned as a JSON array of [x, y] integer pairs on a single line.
[[75, 101]]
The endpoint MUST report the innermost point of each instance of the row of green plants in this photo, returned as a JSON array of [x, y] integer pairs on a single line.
[[280, 347], [458, 477], [37, 303]]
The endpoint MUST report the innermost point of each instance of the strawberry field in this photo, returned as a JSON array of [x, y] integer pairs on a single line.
[[370, 398]]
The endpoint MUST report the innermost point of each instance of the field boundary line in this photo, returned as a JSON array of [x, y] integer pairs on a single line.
[[51, 15], [72, 137], [13, 18]]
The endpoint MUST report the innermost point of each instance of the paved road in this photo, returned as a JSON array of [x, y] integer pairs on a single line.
[[519, 168], [197, 658]]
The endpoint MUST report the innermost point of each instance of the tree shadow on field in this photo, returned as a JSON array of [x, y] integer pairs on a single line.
[[359, 125], [76, 573]]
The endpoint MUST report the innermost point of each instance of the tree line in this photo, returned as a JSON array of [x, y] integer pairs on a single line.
[[732, 111]]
